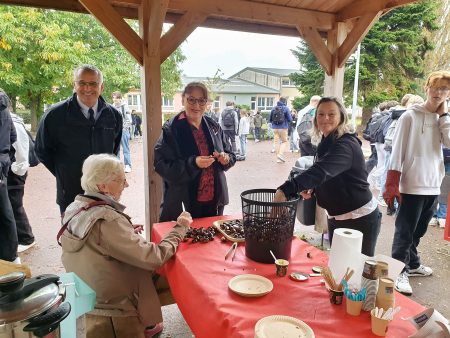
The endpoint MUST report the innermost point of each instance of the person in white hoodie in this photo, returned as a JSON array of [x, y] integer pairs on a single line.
[[415, 174], [244, 130], [17, 176]]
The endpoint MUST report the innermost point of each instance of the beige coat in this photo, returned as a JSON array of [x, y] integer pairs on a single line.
[[100, 246]]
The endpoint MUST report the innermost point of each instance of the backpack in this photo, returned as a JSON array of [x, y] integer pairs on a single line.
[[278, 116], [33, 160], [305, 126], [228, 118], [389, 137]]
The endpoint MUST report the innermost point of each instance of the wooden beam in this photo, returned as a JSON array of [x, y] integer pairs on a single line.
[[334, 84], [127, 10], [151, 17], [359, 31], [116, 25], [258, 12], [318, 47], [179, 32], [240, 26], [362, 7]]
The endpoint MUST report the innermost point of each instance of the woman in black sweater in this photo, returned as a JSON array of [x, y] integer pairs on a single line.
[[338, 177]]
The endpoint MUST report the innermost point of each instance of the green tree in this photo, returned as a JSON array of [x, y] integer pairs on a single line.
[[391, 61], [40, 48]]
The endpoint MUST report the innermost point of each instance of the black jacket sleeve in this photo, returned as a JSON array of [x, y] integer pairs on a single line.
[[118, 133], [338, 159], [169, 163], [45, 146]]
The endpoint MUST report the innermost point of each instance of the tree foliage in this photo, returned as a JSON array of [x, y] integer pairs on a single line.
[[439, 58], [40, 48], [391, 62]]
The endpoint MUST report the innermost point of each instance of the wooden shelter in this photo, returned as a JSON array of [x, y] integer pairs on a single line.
[[332, 29]]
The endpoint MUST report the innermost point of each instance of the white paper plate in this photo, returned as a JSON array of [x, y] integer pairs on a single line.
[[282, 327], [249, 285]]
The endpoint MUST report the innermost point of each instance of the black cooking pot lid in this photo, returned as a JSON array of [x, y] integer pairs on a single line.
[[34, 304]]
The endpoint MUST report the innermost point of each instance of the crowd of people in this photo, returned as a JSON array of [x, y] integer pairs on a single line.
[[79, 141]]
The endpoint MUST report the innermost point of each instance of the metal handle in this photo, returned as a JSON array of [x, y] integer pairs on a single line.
[[44, 324]]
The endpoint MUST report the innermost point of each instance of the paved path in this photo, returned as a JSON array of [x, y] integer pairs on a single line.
[[260, 170]]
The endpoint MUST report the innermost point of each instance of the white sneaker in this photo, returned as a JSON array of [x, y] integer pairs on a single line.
[[281, 158], [441, 222], [272, 151], [24, 247], [256, 140], [434, 221], [17, 260], [280, 161], [402, 284], [127, 169], [421, 271]]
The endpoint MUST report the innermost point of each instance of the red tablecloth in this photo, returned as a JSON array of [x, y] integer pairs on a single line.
[[198, 277]]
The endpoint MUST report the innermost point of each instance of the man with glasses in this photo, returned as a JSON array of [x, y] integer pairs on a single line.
[[71, 130], [415, 174]]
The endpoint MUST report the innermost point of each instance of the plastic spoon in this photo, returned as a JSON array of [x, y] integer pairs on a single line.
[[273, 255]]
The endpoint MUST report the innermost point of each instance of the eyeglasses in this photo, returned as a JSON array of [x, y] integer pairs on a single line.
[[192, 101], [440, 89], [91, 84]]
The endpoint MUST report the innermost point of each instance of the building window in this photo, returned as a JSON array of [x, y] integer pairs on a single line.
[[133, 99], [265, 103], [253, 103], [216, 103], [286, 82], [167, 102]]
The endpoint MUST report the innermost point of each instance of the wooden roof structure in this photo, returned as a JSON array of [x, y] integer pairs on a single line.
[[332, 29]]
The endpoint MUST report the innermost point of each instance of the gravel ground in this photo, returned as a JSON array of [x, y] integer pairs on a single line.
[[260, 170]]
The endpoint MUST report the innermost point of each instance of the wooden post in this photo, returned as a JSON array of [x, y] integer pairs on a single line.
[[334, 84], [151, 17]]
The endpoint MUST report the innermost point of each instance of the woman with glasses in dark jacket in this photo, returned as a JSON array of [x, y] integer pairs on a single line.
[[191, 156]]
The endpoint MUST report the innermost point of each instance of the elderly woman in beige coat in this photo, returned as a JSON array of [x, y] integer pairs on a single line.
[[104, 248]]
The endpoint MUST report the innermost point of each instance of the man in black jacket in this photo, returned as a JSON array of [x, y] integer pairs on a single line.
[[75, 128], [8, 232]]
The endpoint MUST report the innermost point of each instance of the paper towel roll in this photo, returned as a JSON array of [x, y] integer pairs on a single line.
[[346, 252]]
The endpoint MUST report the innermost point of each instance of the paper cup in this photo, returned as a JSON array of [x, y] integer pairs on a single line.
[[353, 307], [282, 266], [336, 296], [379, 326]]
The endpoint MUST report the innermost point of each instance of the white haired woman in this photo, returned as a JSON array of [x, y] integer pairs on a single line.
[[338, 177], [103, 247]]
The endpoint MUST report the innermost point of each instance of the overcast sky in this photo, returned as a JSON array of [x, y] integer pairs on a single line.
[[208, 49]]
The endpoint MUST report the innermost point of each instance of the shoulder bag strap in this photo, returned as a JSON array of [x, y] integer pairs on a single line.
[[86, 207]]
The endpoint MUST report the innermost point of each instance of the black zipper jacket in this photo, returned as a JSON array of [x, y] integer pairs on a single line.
[[338, 176], [175, 154], [65, 138]]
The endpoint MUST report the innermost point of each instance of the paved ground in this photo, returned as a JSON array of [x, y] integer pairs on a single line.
[[260, 170]]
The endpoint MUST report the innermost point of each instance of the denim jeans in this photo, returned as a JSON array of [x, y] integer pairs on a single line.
[[243, 141], [257, 133], [414, 214], [230, 137], [125, 144]]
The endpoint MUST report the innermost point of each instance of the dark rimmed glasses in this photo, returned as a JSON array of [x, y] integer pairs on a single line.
[[91, 84], [192, 101]]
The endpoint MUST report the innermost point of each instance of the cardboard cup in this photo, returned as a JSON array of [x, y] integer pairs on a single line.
[[379, 326], [336, 296], [353, 307], [282, 266]]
